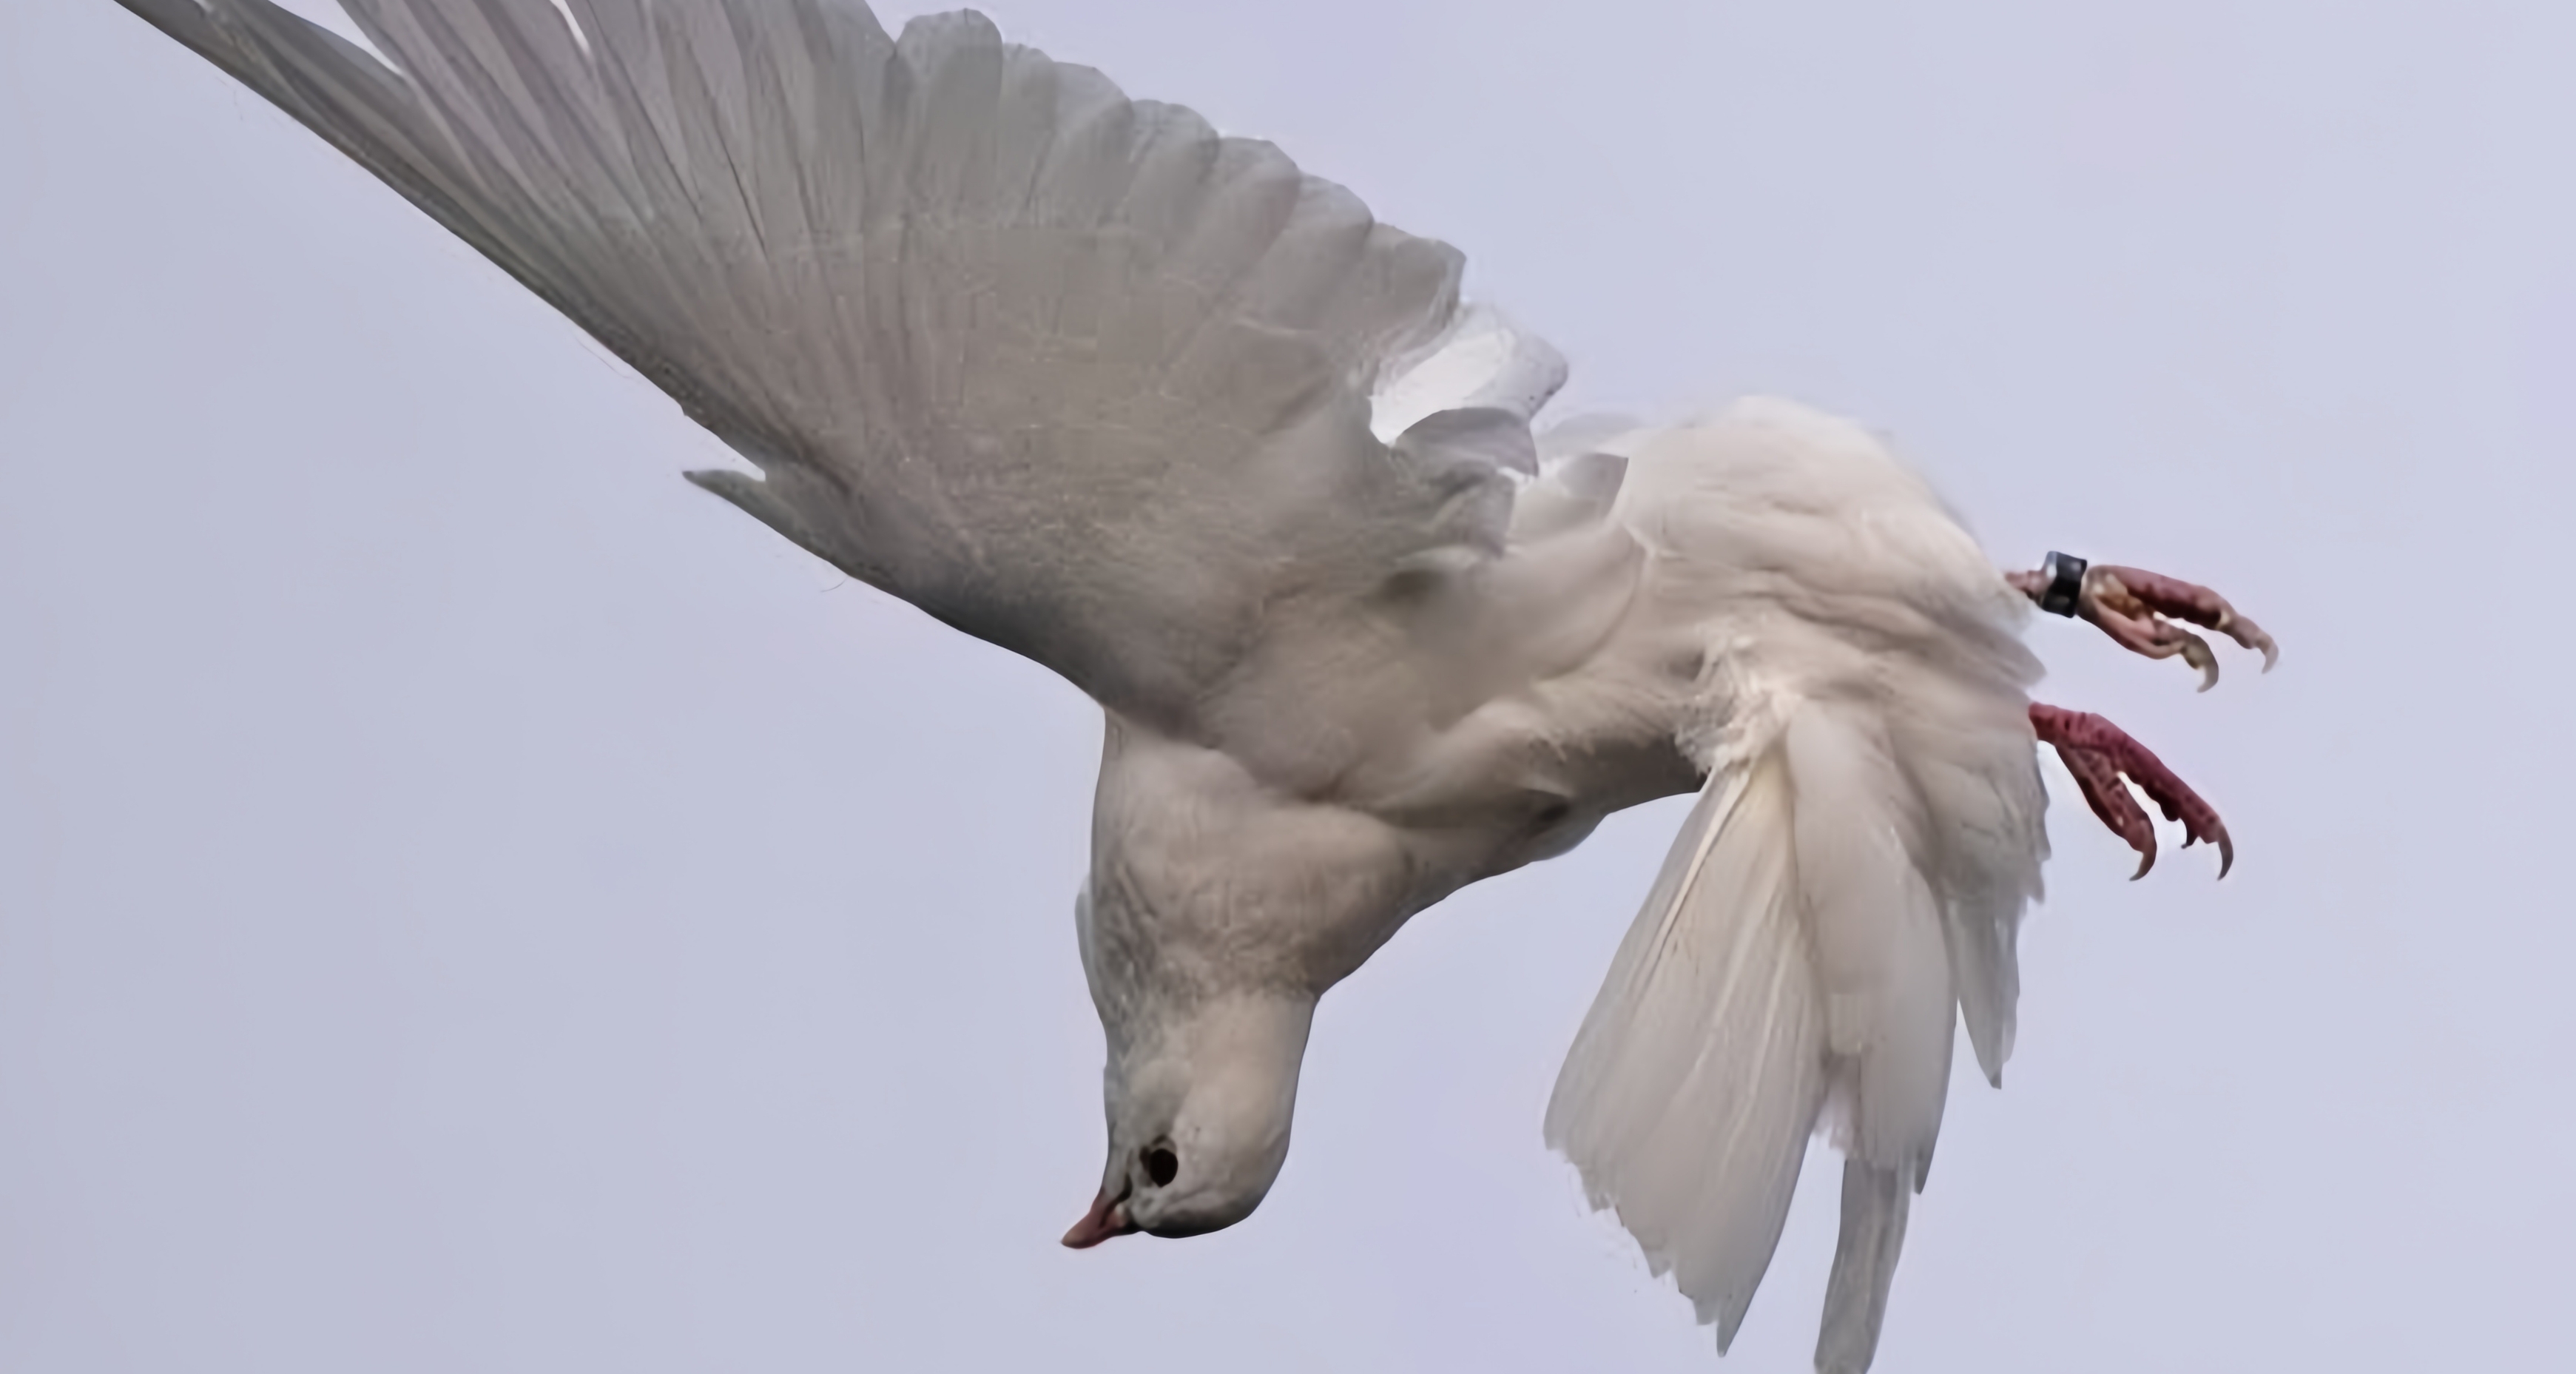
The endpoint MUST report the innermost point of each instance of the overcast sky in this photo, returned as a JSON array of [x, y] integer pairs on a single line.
[[471, 901]]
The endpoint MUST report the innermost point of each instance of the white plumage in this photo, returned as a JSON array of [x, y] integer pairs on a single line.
[[1158, 410], [1861, 850]]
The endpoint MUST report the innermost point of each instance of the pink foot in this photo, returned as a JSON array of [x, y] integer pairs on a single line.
[[2130, 604], [2099, 753]]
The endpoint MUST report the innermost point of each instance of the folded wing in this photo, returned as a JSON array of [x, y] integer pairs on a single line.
[[1066, 370]]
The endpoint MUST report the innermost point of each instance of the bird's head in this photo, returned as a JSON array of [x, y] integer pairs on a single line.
[[1198, 1118], [1219, 908]]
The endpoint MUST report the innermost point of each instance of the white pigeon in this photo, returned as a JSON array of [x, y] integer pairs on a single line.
[[1080, 377]]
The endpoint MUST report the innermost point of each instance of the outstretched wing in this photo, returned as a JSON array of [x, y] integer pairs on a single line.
[[1849, 883], [1065, 370]]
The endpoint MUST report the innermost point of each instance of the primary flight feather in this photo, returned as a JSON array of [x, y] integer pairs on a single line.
[[1078, 376]]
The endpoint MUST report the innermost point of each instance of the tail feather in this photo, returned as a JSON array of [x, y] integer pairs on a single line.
[[1788, 961], [1876, 934], [1850, 883], [1873, 1231]]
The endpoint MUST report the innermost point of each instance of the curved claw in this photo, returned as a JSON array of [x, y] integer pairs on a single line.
[[2103, 757], [2131, 605]]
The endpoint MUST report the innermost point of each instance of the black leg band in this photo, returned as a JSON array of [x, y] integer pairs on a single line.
[[2065, 573]]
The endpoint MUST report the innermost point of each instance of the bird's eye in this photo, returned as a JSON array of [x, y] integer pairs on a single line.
[[1161, 1165]]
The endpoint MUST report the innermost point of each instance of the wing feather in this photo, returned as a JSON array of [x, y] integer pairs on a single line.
[[1069, 371], [1687, 1098]]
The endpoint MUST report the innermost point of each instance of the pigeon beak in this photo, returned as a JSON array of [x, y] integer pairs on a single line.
[[1107, 1217]]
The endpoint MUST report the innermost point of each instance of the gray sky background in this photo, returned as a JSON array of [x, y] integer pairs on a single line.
[[468, 900]]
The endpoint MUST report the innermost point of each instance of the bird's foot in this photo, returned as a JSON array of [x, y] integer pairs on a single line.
[[2130, 605], [2101, 755]]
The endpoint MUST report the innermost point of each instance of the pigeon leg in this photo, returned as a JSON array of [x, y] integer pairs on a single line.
[[2101, 756], [2130, 605]]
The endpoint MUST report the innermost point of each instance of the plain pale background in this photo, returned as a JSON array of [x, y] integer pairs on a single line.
[[470, 901]]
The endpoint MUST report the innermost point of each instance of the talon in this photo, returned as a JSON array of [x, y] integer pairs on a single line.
[[2130, 605], [2103, 757]]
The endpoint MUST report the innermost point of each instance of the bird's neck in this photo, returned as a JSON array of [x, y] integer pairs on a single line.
[[1208, 882]]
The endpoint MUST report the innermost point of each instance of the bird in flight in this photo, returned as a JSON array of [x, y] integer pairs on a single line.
[[1151, 406]]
